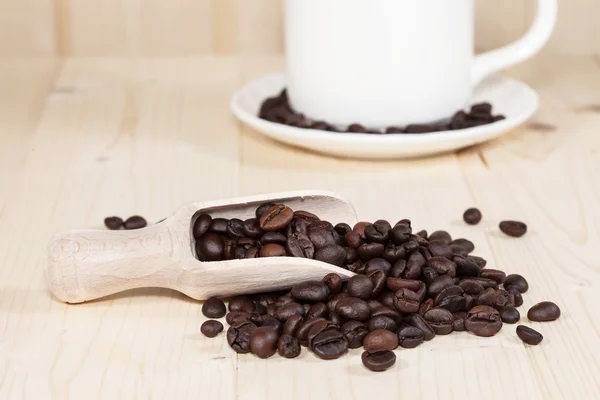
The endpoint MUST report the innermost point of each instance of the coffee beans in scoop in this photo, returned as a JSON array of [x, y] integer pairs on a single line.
[[408, 288], [277, 109]]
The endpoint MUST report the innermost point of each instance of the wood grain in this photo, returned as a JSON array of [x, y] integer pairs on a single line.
[[123, 137]]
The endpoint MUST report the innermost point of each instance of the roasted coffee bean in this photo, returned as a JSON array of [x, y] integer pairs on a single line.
[[486, 283], [214, 308], [354, 332], [202, 225], [422, 234], [469, 302], [421, 292], [304, 329], [397, 269], [318, 310], [517, 281], [276, 218], [509, 315], [353, 239], [451, 302], [211, 328], [353, 308], [351, 255], [465, 267], [360, 286], [382, 322], [504, 298], [273, 237], [458, 324], [322, 234], [411, 246], [115, 223], [383, 223], [283, 300], [496, 275], [310, 292], [235, 228], [238, 336], [517, 294], [396, 284], [333, 282], [318, 328], [332, 254], [377, 264], [380, 340], [376, 233], [307, 308], [449, 291], [263, 343], [425, 306], [384, 311], [393, 253], [242, 303], [297, 226], [480, 262], [440, 320], [407, 301], [414, 266], [421, 241], [443, 266], [271, 309], [288, 346], [471, 286], [429, 275], [329, 345], [400, 233], [379, 361], [292, 324], [262, 208], [465, 245], [472, 216], [135, 222], [210, 247], [544, 311], [336, 319], [264, 299], [219, 225], [356, 128], [513, 228], [440, 248], [342, 228], [299, 245], [333, 300], [251, 228], [483, 321], [273, 323], [272, 250], [359, 228], [378, 279], [417, 320], [306, 216], [366, 251], [440, 236], [235, 317], [529, 336], [288, 310], [441, 283], [425, 253], [484, 108], [409, 337], [374, 304], [487, 297]]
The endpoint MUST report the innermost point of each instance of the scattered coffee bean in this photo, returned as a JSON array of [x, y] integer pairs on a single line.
[[379, 361], [528, 335], [472, 216], [544, 311], [517, 281], [211, 328], [113, 223], [288, 346], [214, 308], [513, 228], [135, 222], [509, 315]]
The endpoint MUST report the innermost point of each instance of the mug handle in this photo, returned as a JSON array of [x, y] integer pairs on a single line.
[[516, 52]]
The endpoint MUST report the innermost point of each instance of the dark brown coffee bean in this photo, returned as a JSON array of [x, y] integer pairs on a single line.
[[440, 320], [414, 266], [471, 287], [235, 228], [484, 108], [487, 297], [238, 336], [310, 292], [336, 319], [418, 321], [480, 262], [384, 311], [242, 303], [374, 304], [397, 269], [469, 302], [251, 228], [288, 346], [517, 281], [318, 310], [276, 218], [544, 311], [378, 361], [453, 290], [387, 298], [292, 324], [411, 246], [353, 239], [422, 234], [333, 282], [342, 228], [304, 329], [297, 226], [354, 332], [440, 248], [425, 306], [407, 301], [262, 208], [529, 336], [441, 236], [356, 128], [483, 321], [458, 324], [211, 328], [273, 237], [376, 233], [214, 308], [231, 250], [263, 343], [210, 247], [359, 228], [441, 283], [115, 223], [322, 234], [219, 225], [496, 275], [465, 267], [375, 264], [288, 310], [380, 340], [353, 308], [333, 300], [509, 315], [462, 246], [360, 286], [299, 245], [396, 284], [329, 345], [513, 228], [366, 251], [351, 255], [429, 275], [409, 337], [486, 283], [135, 222], [443, 266], [515, 292], [306, 216], [394, 129], [472, 216], [272, 250], [235, 317], [504, 298], [283, 300], [400, 233], [419, 128], [451, 299], [202, 225], [273, 323], [332, 254], [382, 322], [393, 253], [378, 279]]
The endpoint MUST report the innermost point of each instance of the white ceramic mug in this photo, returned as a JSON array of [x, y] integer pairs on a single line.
[[392, 62]]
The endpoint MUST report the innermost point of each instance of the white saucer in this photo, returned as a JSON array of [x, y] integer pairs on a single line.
[[512, 98]]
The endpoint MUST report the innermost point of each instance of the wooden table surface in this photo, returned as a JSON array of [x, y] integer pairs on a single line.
[[83, 139]]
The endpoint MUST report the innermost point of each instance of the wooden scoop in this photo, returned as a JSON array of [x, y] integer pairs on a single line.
[[88, 264]]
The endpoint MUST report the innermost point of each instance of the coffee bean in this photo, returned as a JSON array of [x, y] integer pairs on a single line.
[[544, 311], [414, 266], [384, 311], [515, 292], [382, 322], [379, 361], [353, 308], [376, 233], [211, 328], [400, 233], [351, 255], [329, 345], [297, 226], [274, 324], [308, 217], [458, 324], [425, 306], [238, 336], [409, 337], [272, 250], [472, 216], [487, 297], [504, 298], [375, 264], [480, 262], [115, 223], [422, 234], [465, 267], [451, 299], [283, 313], [305, 328], [235, 228], [407, 301], [360, 286], [333, 282], [210, 247], [359, 228], [513, 228], [276, 218], [380, 340], [336, 319], [214, 308], [333, 300], [529, 336], [439, 284], [486, 283], [398, 269], [135, 222], [263, 343], [283, 300], [517, 281], [310, 291], [202, 225], [394, 129], [443, 266], [483, 320], [399, 283], [332, 254], [292, 324], [219, 225], [494, 274], [354, 332], [417, 320], [462, 246], [322, 234], [393, 253], [440, 248], [485, 108], [374, 304], [471, 286], [378, 278], [441, 236], [288, 346], [262, 208], [318, 310], [299, 245], [440, 320], [236, 317], [429, 275], [419, 128], [242, 303], [342, 228], [353, 239], [509, 315], [273, 237]]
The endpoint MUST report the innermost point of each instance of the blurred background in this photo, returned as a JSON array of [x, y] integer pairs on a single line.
[[173, 28]]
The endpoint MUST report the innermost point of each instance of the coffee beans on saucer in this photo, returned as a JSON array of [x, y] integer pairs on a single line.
[[277, 109]]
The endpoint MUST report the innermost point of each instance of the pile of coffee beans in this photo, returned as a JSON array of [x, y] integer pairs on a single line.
[[116, 223], [277, 109], [409, 288]]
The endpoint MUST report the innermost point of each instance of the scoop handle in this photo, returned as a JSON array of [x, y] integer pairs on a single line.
[[86, 265]]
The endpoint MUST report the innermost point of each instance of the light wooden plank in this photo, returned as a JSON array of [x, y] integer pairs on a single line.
[[27, 28]]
